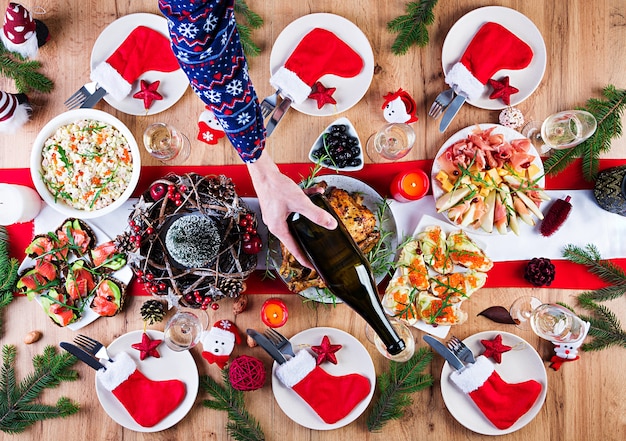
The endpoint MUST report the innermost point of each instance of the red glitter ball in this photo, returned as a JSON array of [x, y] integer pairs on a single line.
[[246, 373]]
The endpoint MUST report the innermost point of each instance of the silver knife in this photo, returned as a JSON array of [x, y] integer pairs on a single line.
[[444, 352], [451, 112], [82, 355], [94, 98], [267, 345], [277, 115]]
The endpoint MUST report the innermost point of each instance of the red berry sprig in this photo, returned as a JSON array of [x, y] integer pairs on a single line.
[[252, 243]]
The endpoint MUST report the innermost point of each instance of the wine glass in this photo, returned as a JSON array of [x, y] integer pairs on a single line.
[[165, 142], [391, 142], [561, 130], [183, 330], [549, 321], [403, 332]]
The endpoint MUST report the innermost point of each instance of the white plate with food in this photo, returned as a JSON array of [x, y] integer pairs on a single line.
[[520, 364], [170, 365], [349, 91], [352, 358], [482, 171], [382, 256], [173, 84], [526, 80]]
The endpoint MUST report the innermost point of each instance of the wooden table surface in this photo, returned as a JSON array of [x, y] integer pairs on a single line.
[[585, 44]]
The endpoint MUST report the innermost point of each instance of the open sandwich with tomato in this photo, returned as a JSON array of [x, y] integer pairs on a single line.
[[68, 271]]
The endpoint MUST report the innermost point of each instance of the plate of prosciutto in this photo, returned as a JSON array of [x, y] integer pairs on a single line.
[[489, 178]]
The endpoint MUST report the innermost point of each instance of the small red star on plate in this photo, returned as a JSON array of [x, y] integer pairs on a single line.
[[148, 93], [494, 348], [326, 351], [322, 95], [147, 347], [502, 90]]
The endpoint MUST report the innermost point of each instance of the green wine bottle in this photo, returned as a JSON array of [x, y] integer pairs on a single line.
[[344, 268]]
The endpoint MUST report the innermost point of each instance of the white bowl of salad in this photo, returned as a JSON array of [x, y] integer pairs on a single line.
[[85, 163]]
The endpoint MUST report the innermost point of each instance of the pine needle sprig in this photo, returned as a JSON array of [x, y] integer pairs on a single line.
[[241, 425], [252, 21], [17, 410], [608, 113], [25, 73], [412, 27], [396, 385], [605, 327], [590, 257], [8, 273]]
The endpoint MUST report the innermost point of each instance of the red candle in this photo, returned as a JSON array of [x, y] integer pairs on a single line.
[[410, 186], [274, 313]]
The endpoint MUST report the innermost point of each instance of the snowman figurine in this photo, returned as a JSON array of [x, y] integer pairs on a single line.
[[219, 341], [209, 128], [399, 107], [565, 352]]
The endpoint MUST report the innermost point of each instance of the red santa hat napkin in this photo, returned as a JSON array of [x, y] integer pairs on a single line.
[[493, 48], [320, 52], [143, 50]]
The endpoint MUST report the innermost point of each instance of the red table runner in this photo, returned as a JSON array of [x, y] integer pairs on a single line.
[[503, 275]]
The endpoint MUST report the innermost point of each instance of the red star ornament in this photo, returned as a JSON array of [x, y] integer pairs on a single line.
[[503, 90], [322, 94], [494, 348], [326, 351], [147, 347], [148, 93]]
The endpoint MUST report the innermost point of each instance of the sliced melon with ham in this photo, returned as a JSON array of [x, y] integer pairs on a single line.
[[109, 297], [54, 305]]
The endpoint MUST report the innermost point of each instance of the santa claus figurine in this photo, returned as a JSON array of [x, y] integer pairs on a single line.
[[209, 128], [400, 107], [219, 341], [15, 111], [21, 33]]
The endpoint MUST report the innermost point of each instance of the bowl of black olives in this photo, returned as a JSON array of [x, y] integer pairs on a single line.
[[338, 147]]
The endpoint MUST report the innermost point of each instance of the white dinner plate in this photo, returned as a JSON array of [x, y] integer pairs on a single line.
[[170, 366], [509, 135], [352, 358], [173, 84], [349, 90], [527, 79], [520, 364]]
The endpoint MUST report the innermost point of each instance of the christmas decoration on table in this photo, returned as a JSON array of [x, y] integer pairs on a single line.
[[253, 21], [240, 304], [148, 93], [396, 386], [502, 89], [331, 397], [21, 33], [246, 373], [241, 425], [147, 347], [196, 239], [511, 117], [320, 52], [494, 348], [219, 341], [209, 128], [412, 26], [498, 314], [607, 190], [8, 273], [540, 271], [15, 111], [501, 402], [326, 351], [555, 217], [323, 95], [147, 401], [608, 113], [605, 327], [50, 369], [566, 352], [492, 49], [399, 107], [152, 311]]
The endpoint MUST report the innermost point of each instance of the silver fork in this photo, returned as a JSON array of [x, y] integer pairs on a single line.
[[460, 350], [92, 346], [269, 104], [280, 341], [442, 101], [79, 97]]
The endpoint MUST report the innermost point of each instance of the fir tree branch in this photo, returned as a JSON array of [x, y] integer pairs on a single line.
[[252, 21], [8, 273], [411, 27], [241, 425], [23, 72], [395, 387], [590, 257]]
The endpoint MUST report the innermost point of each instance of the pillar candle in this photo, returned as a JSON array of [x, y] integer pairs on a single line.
[[410, 185], [274, 313], [18, 203]]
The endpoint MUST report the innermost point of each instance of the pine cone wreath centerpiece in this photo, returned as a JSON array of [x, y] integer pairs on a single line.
[[190, 235], [540, 271]]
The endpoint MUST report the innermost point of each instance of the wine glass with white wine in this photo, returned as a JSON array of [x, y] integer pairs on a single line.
[[561, 130], [166, 143], [391, 142]]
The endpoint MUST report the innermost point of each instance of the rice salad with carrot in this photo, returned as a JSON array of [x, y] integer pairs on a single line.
[[87, 164]]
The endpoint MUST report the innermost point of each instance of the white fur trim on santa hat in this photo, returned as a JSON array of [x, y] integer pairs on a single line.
[[296, 368], [474, 375], [117, 371], [109, 78], [463, 82], [290, 85]]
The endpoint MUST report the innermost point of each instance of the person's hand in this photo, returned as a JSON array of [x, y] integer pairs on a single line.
[[278, 197]]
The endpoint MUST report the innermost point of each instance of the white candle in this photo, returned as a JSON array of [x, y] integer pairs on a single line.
[[18, 203]]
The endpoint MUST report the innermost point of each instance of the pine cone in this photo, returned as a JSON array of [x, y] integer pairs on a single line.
[[230, 287], [152, 311], [540, 271], [124, 244]]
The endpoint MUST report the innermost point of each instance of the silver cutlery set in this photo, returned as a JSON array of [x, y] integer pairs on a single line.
[[456, 353], [448, 103], [87, 350]]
